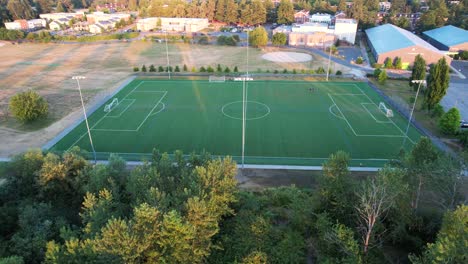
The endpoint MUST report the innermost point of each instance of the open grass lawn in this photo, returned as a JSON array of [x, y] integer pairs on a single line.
[[288, 122], [402, 93]]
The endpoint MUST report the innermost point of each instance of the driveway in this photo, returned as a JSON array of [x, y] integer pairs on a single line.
[[457, 96], [349, 53]]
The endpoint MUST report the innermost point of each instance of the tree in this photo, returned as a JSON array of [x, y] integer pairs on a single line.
[[335, 242], [270, 11], [220, 10], [418, 72], [375, 198], [383, 76], [258, 37], [152, 68], [28, 106], [20, 9], [176, 68], [136, 69], [419, 163], [388, 64], [236, 69], [342, 5], [398, 64], [279, 39], [336, 190], [449, 123], [437, 83], [231, 14], [285, 12], [143, 68], [256, 257], [450, 245], [185, 68]]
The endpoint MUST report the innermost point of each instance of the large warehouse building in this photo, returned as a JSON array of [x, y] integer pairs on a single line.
[[447, 38], [389, 41]]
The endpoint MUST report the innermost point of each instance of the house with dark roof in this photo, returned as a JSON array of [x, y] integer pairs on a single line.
[[447, 38], [390, 41]]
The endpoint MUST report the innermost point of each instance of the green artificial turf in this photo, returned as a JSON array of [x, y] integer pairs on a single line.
[[288, 122]]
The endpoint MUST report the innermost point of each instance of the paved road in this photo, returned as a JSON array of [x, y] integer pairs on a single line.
[[457, 96]]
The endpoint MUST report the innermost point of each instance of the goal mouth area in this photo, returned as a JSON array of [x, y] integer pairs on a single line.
[[112, 105], [388, 112], [214, 78]]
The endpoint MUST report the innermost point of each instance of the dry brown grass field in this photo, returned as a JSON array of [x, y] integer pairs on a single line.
[[48, 68]]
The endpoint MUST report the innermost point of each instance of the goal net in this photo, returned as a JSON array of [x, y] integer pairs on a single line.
[[385, 110], [214, 78], [110, 106]]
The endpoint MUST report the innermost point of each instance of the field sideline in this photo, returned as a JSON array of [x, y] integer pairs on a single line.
[[289, 122]]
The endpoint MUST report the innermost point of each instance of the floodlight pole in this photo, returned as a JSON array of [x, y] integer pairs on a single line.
[[78, 78], [244, 102], [329, 58], [167, 56], [412, 110]]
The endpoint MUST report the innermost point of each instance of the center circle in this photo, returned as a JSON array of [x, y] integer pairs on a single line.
[[255, 110]]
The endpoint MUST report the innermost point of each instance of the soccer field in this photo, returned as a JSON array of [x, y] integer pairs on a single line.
[[288, 122]]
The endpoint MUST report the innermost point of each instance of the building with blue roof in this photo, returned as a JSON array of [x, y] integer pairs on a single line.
[[448, 38], [390, 41]]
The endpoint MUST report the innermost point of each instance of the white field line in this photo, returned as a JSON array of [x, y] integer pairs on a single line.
[[403, 133], [163, 107], [344, 117], [104, 116], [330, 110], [164, 95], [378, 121], [117, 116], [255, 157]]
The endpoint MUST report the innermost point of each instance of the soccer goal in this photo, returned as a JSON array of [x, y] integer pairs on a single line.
[[214, 78], [385, 110], [110, 106]]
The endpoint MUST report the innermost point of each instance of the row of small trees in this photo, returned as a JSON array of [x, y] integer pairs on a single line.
[[152, 68]]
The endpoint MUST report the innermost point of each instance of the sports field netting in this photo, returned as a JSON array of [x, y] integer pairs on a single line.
[[288, 122]]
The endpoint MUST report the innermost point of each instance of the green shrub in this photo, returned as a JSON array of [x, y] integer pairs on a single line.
[[152, 68], [449, 123], [276, 72], [320, 70], [160, 69], [377, 72], [218, 68], [227, 70], [236, 69], [388, 64], [438, 111], [359, 60], [338, 72], [383, 76], [377, 65], [143, 68], [294, 71], [202, 69], [285, 71], [463, 137], [210, 69], [185, 68], [176, 69], [28, 106], [136, 69]]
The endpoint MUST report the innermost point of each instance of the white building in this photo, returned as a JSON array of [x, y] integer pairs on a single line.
[[96, 17], [36, 23], [345, 29], [57, 16], [15, 25], [310, 27], [55, 25], [320, 18], [173, 24]]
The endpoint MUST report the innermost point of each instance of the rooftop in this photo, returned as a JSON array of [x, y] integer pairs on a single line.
[[389, 37], [448, 35]]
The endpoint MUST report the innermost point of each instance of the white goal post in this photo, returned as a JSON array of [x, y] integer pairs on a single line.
[[214, 78], [385, 110], [110, 106]]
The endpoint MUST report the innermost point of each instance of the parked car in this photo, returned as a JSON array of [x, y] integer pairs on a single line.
[[463, 124]]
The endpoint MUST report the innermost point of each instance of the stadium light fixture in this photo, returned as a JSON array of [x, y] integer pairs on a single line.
[[419, 82], [78, 78]]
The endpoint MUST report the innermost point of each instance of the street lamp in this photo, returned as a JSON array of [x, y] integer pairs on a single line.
[[414, 105], [78, 78]]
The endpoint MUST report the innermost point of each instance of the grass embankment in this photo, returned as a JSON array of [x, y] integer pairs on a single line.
[[129, 35], [403, 94]]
